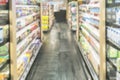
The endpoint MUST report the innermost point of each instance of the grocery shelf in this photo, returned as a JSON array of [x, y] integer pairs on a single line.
[[23, 17], [24, 41], [4, 7], [112, 64], [86, 34], [91, 24], [111, 24], [25, 28], [5, 42], [4, 64], [87, 27], [95, 5], [93, 51], [113, 44], [90, 15], [29, 65], [26, 49], [91, 69]]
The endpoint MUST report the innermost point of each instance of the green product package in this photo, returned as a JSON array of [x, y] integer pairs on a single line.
[[3, 50], [4, 57], [118, 64], [118, 54], [6, 32], [112, 52], [109, 1], [84, 45]]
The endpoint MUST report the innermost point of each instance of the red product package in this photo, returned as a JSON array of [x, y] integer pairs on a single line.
[[3, 1]]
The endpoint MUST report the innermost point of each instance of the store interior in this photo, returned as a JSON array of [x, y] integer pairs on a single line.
[[59, 39]]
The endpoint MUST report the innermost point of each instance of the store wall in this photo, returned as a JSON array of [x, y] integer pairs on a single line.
[[60, 16]]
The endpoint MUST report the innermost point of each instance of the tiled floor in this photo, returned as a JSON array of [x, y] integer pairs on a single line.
[[58, 58]]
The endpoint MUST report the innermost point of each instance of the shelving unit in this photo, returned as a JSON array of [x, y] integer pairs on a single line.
[[25, 33], [47, 16], [92, 35], [4, 41], [72, 15], [113, 34]]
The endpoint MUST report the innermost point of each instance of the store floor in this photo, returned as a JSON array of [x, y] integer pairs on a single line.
[[58, 58]]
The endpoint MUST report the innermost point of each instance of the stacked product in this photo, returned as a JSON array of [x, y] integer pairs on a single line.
[[4, 40], [113, 39], [45, 16], [27, 35], [72, 19], [51, 15], [89, 35]]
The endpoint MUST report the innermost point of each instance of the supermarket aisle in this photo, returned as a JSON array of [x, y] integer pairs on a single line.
[[58, 58]]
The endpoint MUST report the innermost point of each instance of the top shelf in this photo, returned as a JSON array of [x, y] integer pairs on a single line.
[[113, 5]]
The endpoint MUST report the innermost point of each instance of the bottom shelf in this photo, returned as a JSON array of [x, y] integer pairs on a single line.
[[28, 67], [91, 70], [112, 72]]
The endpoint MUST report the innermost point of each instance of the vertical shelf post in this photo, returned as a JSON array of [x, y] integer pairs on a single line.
[[67, 10], [77, 32], [42, 35], [13, 57], [102, 41]]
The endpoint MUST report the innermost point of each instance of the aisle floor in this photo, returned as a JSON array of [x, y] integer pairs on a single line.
[[58, 58]]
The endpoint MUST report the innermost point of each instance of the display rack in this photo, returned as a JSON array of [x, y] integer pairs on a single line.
[[113, 34], [25, 36], [92, 35], [4, 40]]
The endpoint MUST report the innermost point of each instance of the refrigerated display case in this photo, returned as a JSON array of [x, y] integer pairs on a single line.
[[4, 41], [113, 39]]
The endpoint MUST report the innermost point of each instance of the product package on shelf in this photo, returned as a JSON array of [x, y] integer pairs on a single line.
[[4, 18], [4, 5]]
